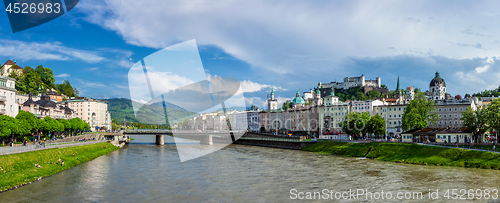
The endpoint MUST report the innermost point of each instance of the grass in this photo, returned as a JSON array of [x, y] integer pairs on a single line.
[[19, 169], [410, 154]]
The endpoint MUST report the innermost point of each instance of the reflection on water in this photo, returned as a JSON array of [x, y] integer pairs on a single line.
[[149, 173]]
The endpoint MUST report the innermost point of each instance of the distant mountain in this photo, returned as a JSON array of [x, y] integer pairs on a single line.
[[168, 105], [235, 108], [122, 108]]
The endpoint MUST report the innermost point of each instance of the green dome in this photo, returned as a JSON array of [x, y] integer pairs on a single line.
[[298, 100], [317, 90]]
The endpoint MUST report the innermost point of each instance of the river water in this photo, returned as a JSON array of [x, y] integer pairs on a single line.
[[238, 173]]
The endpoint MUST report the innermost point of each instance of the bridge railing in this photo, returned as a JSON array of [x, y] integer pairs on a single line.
[[273, 139], [147, 131]]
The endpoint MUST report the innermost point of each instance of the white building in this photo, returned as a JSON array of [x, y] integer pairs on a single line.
[[94, 112], [10, 67], [253, 120], [365, 106], [393, 116], [8, 104], [409, 94], [352, 82]]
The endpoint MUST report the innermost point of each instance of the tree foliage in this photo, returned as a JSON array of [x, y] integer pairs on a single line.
[[41, 77], [376, 125], [494, 115], [419, 113], [355, 123], [25, 123], [476, 121]]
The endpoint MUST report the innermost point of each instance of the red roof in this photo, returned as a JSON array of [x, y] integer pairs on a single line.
[[9, 62]]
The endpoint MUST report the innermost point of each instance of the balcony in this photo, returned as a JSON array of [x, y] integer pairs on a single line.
[[3, 111], [3, 98]]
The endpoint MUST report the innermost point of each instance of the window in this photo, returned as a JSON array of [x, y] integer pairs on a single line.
[[439, 109], [439, 137], [449, 109], [400, 108], [461, 109], [455, 109], [444, 109], [390, 116]]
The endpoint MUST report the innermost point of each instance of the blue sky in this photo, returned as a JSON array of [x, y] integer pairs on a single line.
[[286, 44]]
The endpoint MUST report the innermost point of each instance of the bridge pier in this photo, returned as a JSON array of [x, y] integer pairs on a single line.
[[207, 140], [160, 140]]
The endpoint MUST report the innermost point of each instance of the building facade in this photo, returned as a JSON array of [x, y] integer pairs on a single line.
[[94, 112], [8, 104], [46, 107], [9, 67], [393, 116]]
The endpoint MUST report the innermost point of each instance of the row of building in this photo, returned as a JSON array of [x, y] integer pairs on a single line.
[[94, 112], [320, 111]]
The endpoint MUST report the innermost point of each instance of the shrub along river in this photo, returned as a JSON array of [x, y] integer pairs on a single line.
[[239, 173]]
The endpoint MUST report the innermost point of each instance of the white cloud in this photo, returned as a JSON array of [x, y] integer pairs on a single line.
[[290, 36], [482, 69], [45, 51], [62, 75], [249, 86]]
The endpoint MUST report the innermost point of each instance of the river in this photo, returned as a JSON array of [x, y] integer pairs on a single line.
[[238, 173]]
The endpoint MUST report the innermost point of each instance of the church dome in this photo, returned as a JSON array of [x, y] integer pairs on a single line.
[[437, 81], [298, 100]]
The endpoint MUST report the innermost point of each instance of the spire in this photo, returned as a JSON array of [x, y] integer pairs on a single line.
[[397, 86], [298, 93], [332, 93], [437, 74], [272, 90]]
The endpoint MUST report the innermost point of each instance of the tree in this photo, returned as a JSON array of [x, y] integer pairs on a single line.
[[66, 125], [494, 115], [467, 96], [28, 121], [419, 113], [376, 125], [46, 77], [8, 127], [383, 86], [66, 89], [476, 121], [373, 94], [355, 123]]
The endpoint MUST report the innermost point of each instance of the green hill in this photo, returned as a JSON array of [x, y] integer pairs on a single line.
[[122, 108]]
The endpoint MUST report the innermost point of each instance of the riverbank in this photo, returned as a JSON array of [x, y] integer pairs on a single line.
[[410, 154], [19, 169]]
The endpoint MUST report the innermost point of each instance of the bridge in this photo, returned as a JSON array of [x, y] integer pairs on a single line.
[[207, 137]]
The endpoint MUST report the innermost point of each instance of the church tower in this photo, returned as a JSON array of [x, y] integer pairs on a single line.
[[437, 88], [318, 101], [272, 103]]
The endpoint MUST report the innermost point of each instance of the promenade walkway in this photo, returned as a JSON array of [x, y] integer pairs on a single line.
[[32, 147]]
